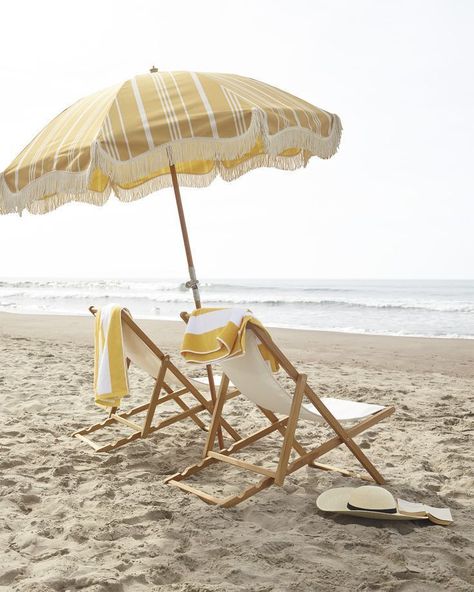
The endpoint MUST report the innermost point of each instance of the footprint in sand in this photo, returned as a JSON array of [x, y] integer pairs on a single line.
[[274, 547]]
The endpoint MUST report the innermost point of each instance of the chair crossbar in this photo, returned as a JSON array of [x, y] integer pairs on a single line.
[[345, 472], [242, 464], [127, 422]]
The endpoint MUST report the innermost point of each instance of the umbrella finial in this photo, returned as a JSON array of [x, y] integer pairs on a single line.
[[153, 69]]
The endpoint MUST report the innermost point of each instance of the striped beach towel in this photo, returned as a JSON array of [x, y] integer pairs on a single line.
[[214, 334], [110, 368]]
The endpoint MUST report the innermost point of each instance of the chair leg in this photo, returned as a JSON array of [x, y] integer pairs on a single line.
[[336, 441], [290, 430], [154, 397], [212, 390], [274, 419], [340, 470], [216, 415], [343, 435], [195, 418]]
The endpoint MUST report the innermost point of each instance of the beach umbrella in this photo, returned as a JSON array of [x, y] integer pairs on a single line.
[[165, 129], [161, 129]]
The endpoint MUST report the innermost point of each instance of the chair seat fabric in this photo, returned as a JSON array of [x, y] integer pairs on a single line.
[[252, 375], [203, 382], [142, 356], [344, 410]]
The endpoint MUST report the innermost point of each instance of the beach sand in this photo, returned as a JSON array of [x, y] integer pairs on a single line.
[[74, 520]]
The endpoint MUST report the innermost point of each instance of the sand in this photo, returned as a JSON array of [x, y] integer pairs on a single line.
[[74, 520]]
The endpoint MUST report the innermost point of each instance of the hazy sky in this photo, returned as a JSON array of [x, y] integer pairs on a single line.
[[397, 201]]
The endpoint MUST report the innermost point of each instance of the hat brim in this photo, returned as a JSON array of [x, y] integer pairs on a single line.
[[335, 500]]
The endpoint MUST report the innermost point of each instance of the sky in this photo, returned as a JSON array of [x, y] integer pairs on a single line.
[[395, 202]]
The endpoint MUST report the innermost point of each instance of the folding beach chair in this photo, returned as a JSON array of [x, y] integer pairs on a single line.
[[251, 374], [169, 380]]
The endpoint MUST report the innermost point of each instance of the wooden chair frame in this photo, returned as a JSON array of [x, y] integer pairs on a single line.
[[287, 427], [142, 431]]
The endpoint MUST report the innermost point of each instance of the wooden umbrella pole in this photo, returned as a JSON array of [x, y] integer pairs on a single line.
[[193, 282]]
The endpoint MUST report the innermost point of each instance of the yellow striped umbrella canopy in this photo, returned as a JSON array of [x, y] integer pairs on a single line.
[[125, 138]]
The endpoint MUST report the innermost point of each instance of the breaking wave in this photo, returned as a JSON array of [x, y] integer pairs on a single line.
[[429, 308]]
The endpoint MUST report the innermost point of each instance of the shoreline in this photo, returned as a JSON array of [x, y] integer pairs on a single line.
[[449, 356], [289, 327]]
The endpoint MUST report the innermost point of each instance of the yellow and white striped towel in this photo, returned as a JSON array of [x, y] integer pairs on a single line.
[[110, 369], [213, 334]]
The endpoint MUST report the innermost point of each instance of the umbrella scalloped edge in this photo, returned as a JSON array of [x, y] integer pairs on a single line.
[[56, 188]]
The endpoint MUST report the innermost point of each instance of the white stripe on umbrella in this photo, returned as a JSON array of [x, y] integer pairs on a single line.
[[143, 117], [206, 103]]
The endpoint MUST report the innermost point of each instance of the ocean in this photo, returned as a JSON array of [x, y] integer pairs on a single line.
[[425, 308]]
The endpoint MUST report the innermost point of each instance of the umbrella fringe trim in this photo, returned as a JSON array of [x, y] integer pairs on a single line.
[[50, 191], [217, 149], [57, 188], [199, 181]]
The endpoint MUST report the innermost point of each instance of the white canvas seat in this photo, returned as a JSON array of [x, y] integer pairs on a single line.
[[252, 376], [140, 354], [255, 380], [203, 381]]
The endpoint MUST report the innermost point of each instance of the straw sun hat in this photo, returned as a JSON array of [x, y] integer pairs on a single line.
[[368, 501]]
